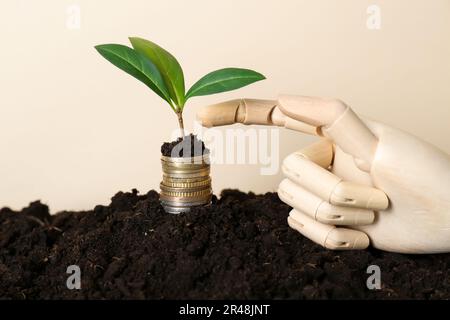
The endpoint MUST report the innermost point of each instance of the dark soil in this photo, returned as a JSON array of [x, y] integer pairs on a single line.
[[190, 146], [239, 247]]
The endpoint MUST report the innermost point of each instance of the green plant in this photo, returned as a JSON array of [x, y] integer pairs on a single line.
[[161, 72]]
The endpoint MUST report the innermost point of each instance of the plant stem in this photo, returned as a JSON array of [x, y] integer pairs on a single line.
[[180, 122]]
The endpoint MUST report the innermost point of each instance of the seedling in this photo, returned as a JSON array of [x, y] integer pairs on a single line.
[[161, 72], [186, 182]]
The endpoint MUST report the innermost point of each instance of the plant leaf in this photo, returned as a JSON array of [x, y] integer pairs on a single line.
[[136, 65], [167, 65], [223, 80]]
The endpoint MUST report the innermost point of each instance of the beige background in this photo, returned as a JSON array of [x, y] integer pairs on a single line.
[[74, 129]]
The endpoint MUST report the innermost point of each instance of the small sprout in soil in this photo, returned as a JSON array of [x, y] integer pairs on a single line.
[[161, 72], [189, 146]]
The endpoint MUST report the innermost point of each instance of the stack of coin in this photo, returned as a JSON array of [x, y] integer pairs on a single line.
[[186, 183]]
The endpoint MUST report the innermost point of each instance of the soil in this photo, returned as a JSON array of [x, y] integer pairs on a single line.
[[189, 146], [240, 247]]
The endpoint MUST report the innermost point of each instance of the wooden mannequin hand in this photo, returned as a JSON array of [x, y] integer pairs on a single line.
[[385, 186]]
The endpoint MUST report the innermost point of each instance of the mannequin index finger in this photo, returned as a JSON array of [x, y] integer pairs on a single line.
[[246, 111], [250, 111]]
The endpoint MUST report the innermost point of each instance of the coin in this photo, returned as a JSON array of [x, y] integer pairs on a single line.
[[186, 183]]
